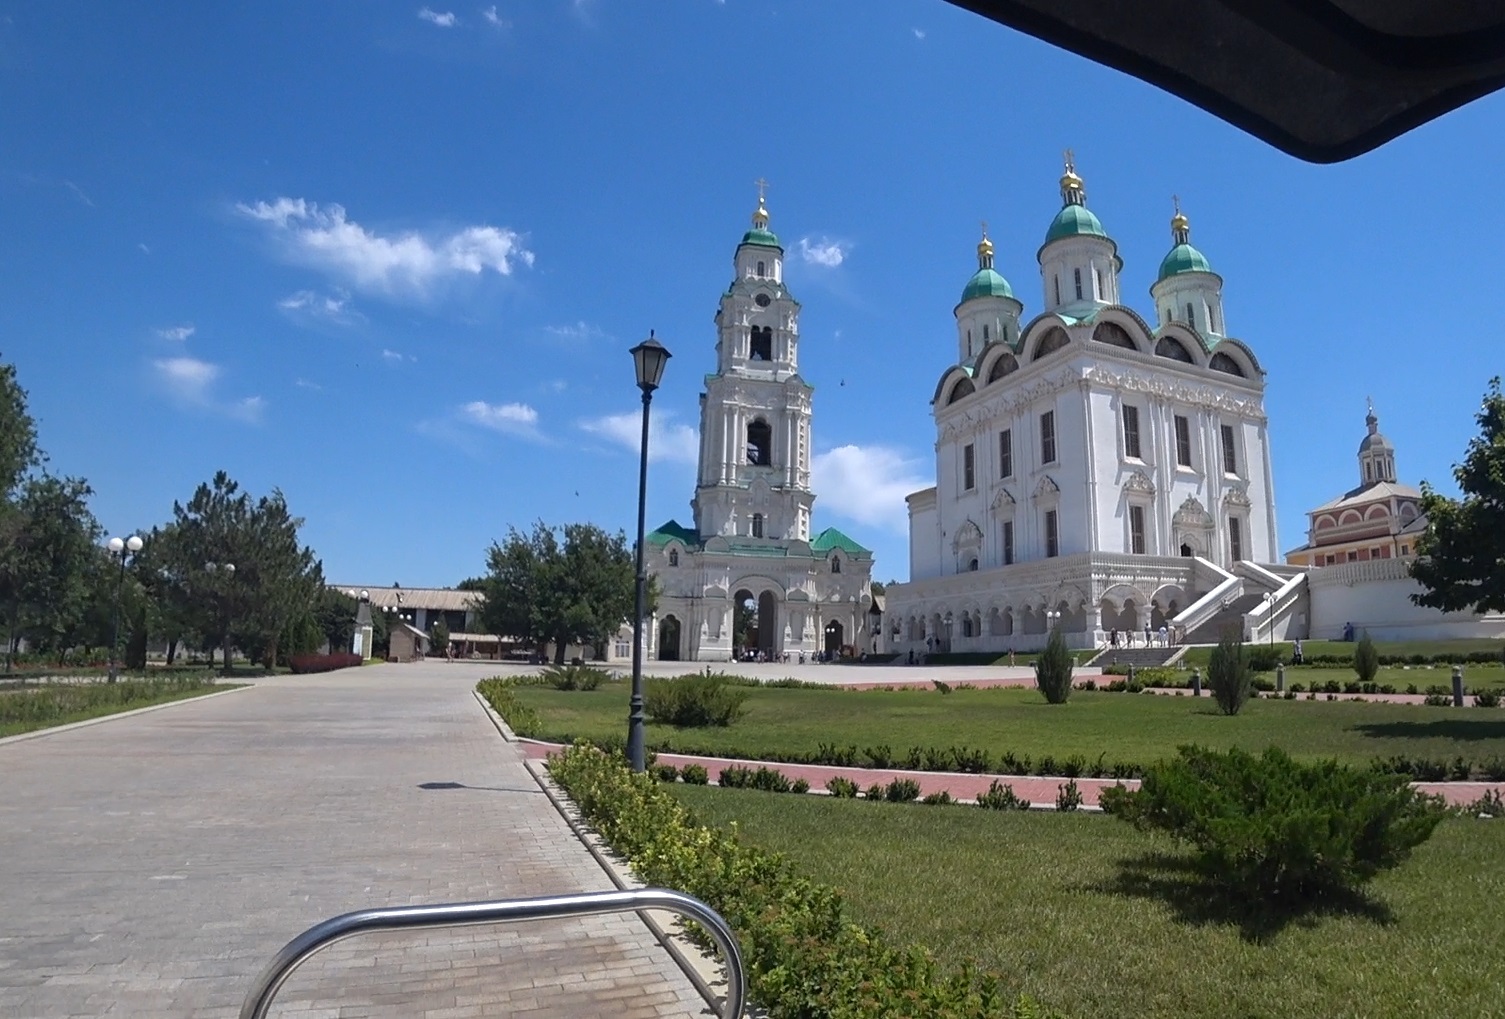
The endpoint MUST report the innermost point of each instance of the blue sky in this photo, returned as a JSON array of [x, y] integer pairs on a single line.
[[389, 257]]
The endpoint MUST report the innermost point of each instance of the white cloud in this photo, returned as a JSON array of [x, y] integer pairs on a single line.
[[400, 263], [558, 385], [919, 33], [311, 305], [445, 20], [396, 357], [495, 19], [867, 484], [305, 384], [510, 418], [667, 440], [178, 333], [144, 249], [824, 252], [191, 382], [577, 332]]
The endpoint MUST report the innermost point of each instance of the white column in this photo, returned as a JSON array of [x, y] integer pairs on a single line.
[[1267, 506], [1091, 474]]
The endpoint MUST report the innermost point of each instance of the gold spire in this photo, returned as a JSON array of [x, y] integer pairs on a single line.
[[985, 249], [1180, 225], [760, 218], [1073, 190]]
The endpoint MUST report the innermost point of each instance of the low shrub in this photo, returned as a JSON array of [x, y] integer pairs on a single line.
[[734, 776], [694, 701], [1228, 674], [1493, 769], [940, 799], [876, 791], [665, 772], [879, 757], [1001, 797], [574, 677], [520, 718], [1491, 804], [1438, 700], [303, 664], [1068, 796], [1263, 657], [769, 780], [1053, 669], [1296, 688], [1487, 699], [842, 788], [975, 762], [804, 954], [800, 786], [839, 757], [1274, 830], [944, 688], [902, 790], [694, 774], [1366, 660]]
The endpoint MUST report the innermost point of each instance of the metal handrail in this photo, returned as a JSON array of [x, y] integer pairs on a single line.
[[470, 914]]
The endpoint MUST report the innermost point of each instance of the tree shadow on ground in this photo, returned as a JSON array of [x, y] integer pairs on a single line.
[[1182, 883], [1443, 728]]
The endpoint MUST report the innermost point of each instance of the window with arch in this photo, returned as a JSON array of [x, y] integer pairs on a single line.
[[1076, 277], [985, 332], [674, 557], [972, 565], [1053, 341], [962, 388], [1221, 362], [759, 439], [1002, 366], [757, 525], [1189, 317], [760, 347], [1058, 289], [836, 564], [762, 269], [1173, 349], [1212, 315], [1097, 283]]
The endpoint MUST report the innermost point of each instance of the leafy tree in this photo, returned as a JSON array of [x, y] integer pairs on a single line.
[[571, 585], [472, 584], [877, 588], [1366, 660], [1228, 673], [18, 433], [45, 570], [1053, 669], [1461, 553], [745, 623], [438, 637], [334, 612]]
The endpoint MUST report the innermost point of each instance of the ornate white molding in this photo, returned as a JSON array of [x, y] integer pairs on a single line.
[[1192, 515], [1006, 402], [1003, 502], [1236, 496], [1139, 481], [1178, 390], [968, 535], [1047, 489]]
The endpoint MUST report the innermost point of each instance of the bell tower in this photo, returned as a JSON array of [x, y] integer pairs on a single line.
[[753, 481]]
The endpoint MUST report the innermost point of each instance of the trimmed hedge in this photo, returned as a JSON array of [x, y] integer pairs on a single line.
[[804, 956], [322, 663]]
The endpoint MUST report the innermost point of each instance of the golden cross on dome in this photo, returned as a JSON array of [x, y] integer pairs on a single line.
[[762, 185], [1070, 162], [984, 229], [1370, 401], [1176, 201]]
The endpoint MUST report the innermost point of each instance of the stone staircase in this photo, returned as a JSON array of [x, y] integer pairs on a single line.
[[1211, 631], [1139, 657]]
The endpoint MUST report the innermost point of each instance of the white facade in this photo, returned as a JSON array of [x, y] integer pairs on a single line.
[[1375, 596], [752, 540], [1088, 464]]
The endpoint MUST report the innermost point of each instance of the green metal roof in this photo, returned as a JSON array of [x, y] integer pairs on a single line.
[[986, 283], [1183, 258], [764, 238], [1074, 221], [664, 533], [754, 548], [831, 538]]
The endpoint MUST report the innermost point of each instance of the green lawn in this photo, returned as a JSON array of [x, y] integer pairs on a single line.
[[1100, 921], [28, 708], [1129, 728]]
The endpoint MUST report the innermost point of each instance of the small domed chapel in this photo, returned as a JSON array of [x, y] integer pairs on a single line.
[[1094, 469]]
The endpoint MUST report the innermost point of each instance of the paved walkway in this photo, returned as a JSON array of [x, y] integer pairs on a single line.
[[151, 865]]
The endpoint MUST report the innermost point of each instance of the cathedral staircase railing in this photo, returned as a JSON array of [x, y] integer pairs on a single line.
[[1226, 589], [1266, 618]]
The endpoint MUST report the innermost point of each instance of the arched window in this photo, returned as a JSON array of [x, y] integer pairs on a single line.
[[1058, 289], [1223, 363], [835, 564], [757, 525], [1173, 349], [1189, 317], [1002, 366], [674, 557], [962, 388], [972, 565], [761, 346], [985, 332], [1115, 335], [1076, 275], [1053, 341], [759, 439], [762, 270]]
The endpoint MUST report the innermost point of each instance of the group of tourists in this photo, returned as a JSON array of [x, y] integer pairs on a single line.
[[1152, 638]]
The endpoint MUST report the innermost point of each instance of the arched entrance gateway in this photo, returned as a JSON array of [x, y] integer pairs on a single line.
[[668, 640], [756, 625], [833, 638]]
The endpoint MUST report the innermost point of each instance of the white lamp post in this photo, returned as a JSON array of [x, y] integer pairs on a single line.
[[122, 548]]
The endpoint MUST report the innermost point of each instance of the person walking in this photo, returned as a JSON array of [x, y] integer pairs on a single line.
[[1296, 658]]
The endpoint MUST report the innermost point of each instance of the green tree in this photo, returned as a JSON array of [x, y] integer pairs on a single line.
[[438, 637], [18, 433], [46, 570], [1053, 668], [1366, 660], [1462, 550], [571, 585], [334, 610], [1228, 673]]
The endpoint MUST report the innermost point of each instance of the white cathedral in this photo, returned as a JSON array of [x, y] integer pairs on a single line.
[[1094, 470], [751, 543]]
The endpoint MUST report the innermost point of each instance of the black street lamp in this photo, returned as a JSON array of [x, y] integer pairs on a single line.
[[124, 549], [228, 570], [648, 358]]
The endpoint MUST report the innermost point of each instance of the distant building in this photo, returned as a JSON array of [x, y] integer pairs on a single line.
[[751, 553]]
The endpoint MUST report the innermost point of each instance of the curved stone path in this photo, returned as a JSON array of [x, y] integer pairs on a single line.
[[150, 865]]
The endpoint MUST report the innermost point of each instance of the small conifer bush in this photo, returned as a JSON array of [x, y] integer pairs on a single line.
[[1053, 669], [1228, 673], [1366, 660]]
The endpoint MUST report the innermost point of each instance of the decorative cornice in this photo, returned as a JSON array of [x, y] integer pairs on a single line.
[[1192, 514], [1236, 496], [1139, 481], [1175, 389], [968, 535], [994, 404], [1003, 502], [1046, 488]]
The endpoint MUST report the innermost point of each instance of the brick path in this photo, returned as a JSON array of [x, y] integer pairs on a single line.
[[150, 866]]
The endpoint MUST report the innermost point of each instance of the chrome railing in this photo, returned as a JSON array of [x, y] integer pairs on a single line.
[[471, 914]]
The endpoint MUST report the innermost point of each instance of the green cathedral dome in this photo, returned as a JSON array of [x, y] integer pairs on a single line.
[[763, 237], [1183, 258], [986, 283], [1074, 221]]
